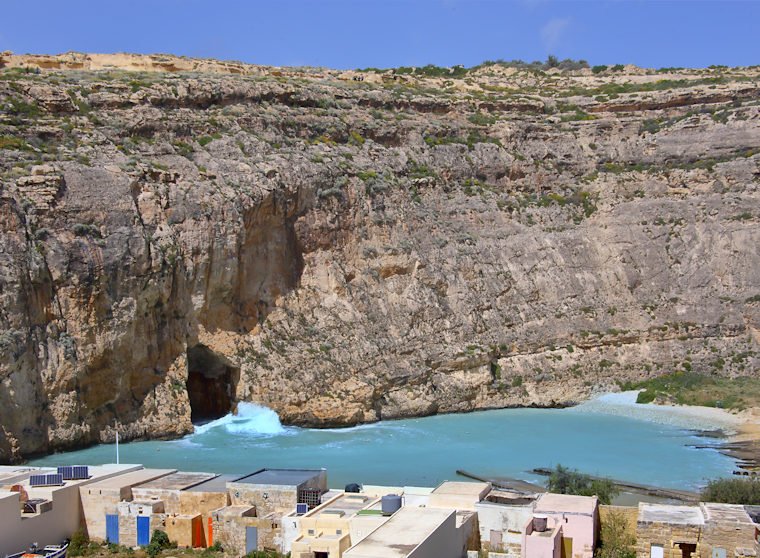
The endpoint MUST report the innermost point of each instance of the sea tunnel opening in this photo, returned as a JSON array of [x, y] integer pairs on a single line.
[[211, 383]]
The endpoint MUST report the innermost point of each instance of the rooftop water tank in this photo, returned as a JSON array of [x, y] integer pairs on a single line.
[[540, 523], [390, 504], [353, 487]]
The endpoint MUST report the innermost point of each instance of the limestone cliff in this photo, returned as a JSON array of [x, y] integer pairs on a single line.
[[350, 246]]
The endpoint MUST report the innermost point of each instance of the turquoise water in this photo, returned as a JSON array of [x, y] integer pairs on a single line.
[[594, 438]]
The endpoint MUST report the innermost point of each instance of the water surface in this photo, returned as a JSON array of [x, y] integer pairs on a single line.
[[609, 437]]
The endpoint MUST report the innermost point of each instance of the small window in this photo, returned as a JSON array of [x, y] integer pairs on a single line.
[[311, 531], [338, 531]]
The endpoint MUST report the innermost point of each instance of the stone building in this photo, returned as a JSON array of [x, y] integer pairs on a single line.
[[669, 531], [702, 531], [100, 501]]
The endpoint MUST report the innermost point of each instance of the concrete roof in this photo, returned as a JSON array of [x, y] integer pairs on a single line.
[[237, 510], [131, 479], [401, 534], [348, 504], [280, 477], [730, 513], [668, 513], [217, 484], [566, 503], [176, 481], [474, 489]]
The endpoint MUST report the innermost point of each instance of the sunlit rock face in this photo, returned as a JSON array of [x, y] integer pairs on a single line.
[[347, 247]]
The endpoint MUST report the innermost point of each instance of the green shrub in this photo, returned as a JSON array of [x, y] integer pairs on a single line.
[[79, 544], [646, 396], [599, 69], [13, 142], [158, 542], [517, 381], [569, 481], [744, 491], [480, 119]]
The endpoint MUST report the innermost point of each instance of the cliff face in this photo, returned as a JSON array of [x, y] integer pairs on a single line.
[[346, 247]]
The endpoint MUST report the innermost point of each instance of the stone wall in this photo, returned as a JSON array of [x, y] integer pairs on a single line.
[[667, 535], [266, 499]]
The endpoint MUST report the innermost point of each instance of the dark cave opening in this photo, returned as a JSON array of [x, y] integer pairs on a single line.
[[211, 383]]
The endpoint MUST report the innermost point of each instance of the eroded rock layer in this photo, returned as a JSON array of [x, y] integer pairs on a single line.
[[348, 247]]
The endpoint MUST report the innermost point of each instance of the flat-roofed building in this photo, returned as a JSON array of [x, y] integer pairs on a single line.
[[413, 532], [567, 520], [458, 495], [669, 531], [187, 500], [279, 490], [502, 516], [56, 514], [330, 529], [729, 531], [100, 501]]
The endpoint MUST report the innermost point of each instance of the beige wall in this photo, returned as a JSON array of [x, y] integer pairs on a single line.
[[63, 519], [229, 530], [266, 499], [181, 528], [665, 535]]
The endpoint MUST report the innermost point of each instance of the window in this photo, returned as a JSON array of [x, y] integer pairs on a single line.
[[340, 532], [311, 531]]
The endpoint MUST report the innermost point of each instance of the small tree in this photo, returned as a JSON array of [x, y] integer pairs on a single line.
[[616, 539], [569, 481]]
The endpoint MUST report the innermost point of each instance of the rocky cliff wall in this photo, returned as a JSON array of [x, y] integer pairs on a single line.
[[347, 247]]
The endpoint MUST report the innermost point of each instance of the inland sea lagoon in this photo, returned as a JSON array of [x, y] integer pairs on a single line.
[[608, 436]]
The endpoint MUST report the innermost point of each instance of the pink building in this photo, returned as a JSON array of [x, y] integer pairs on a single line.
[[562, 526]]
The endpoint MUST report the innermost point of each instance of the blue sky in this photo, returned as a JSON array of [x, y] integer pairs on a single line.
[[385, 33]]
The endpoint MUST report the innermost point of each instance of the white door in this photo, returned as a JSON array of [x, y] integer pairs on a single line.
[[657, 551]]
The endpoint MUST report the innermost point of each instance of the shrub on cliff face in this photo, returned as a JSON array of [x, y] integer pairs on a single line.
[[569, 481], [744, 491]]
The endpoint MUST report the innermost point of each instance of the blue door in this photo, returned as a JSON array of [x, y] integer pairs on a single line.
[[251, 539], [112, 528], [143, 530]]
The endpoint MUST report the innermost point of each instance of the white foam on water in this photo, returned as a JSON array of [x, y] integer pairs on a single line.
[[624, 404], [250, 419]]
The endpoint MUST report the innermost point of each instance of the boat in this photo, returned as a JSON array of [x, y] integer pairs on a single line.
[[49, 551]]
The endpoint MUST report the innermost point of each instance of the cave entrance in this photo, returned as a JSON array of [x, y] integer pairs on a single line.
[[211, 383]]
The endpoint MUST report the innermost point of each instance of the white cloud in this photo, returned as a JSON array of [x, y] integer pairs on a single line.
[[552, 31]]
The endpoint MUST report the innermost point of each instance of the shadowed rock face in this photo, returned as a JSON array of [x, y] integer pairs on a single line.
[[211, 381], [347, 251]]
